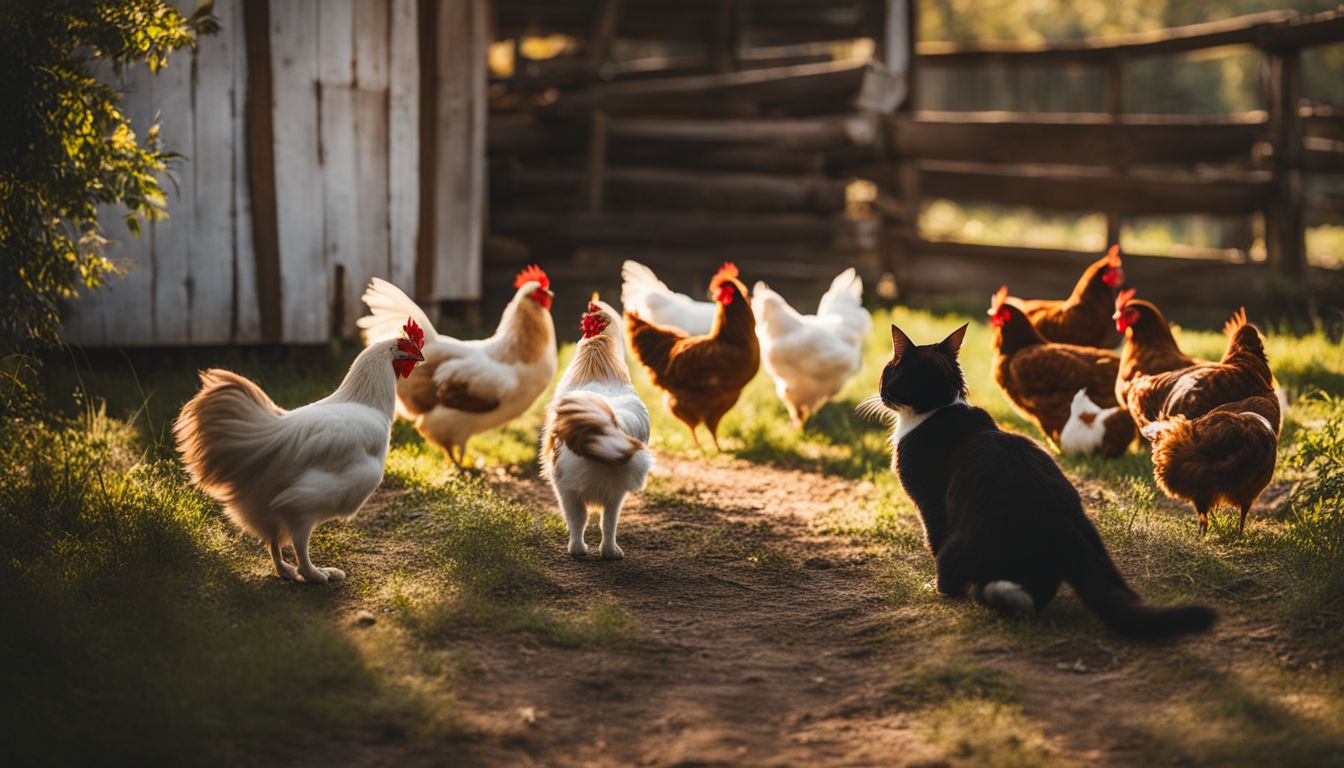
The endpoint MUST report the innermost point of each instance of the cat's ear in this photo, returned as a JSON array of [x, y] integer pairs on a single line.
[[900, 343], [952, 343]]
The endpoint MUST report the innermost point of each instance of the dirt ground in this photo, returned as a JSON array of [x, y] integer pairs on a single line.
[[761, 641]]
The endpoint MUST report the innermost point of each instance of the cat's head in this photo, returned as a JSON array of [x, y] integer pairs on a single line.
[[922, 378]]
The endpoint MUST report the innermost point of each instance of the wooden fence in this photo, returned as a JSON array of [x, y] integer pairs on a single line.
[[322, 143], [1121, 164]]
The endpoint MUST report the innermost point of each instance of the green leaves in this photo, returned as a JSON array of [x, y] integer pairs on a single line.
[[68, 148]]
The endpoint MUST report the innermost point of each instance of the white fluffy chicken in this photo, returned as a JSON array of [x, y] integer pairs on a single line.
[[467, 387], [645, 295], [280, 473], [810, 357], [594, 447]]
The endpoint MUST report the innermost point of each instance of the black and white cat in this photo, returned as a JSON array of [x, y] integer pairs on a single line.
[[1001, 519]]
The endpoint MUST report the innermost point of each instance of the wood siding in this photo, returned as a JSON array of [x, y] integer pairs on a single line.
[[346, 128]]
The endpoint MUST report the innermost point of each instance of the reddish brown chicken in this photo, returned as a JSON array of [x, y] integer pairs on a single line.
[[1041, 378], [1214, 426], [1084, 318], [702, 376], [1149, 346]]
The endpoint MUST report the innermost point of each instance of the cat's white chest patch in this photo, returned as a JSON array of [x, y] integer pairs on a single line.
[[907, 420]]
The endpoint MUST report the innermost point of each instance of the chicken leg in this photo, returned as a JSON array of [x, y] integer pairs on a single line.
[[307, 570]]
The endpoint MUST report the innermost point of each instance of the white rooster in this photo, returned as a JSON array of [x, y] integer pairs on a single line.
[[594, 445], [645, 295], [467, 387], [810, 357], [280, 473]]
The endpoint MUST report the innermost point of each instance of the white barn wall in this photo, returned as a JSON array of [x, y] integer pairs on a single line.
[[345, 115]]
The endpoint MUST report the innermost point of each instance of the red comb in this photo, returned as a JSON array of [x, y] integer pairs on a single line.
[[996, 301], [1113, 256], [1123, 298], [727, 272], [592, 323], [415, 333], [533, 272]]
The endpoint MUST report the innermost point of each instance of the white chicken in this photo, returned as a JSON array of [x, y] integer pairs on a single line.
[[280, 473], [467, 387], [645, 295], [594, 447], [1093, 429], [810, 357]]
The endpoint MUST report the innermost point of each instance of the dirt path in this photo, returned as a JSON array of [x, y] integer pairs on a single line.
[[762, 642], [757, 638]]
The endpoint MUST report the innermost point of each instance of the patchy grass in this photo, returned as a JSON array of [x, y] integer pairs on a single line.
[[143, 625]]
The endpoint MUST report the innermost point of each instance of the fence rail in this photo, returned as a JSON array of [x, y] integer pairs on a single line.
[[1123, 164]]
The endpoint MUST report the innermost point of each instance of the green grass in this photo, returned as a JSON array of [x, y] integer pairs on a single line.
[[140, 624]]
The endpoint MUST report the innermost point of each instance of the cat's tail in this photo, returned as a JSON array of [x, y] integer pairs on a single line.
[[1103, 590]]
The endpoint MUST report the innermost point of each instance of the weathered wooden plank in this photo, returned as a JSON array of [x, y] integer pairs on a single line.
[[370, 154], [1322, 28], [261, 169], [303, 268], [716, 191], [211, 239], [173, 238], [686, 228], [1243, 30], [403, 144], [336, 130], [1076, 138], [127, 304], [863, 84], [1076, 188], [460, 134], [245, 323]]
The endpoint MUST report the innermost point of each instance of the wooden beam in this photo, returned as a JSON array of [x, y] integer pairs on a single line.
[[604, 31], [1077, 139], [975, 270], [428, 19], [1320, 29], [1242, 30], [864, 85], [594, 177], [1285, 236], [854, 129], [723, 34], [665, 188], [261, 168], [1097, 188], [686, 228]]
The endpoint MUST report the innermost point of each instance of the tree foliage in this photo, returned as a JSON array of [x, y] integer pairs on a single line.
[[66, 147]]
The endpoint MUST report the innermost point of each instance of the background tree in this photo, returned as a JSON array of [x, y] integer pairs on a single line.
[[66, 147]]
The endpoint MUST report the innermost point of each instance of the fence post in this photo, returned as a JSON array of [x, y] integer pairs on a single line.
[[1285, 237], [1115, 105]]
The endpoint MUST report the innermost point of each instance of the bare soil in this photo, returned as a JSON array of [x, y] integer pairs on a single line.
[[761, 641]]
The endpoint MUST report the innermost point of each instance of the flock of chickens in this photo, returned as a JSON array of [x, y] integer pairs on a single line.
[[278, 474], [1213, 426]]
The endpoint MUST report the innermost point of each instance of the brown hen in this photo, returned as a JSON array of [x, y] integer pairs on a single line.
[[702, 376], [1084, 318], [1040, 378], [1214, 426]]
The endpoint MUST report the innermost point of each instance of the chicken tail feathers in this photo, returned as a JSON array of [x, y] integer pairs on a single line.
[[390, 307], [1227, 453], [652, 344], [218, 430], [637, 281], [586, 425]]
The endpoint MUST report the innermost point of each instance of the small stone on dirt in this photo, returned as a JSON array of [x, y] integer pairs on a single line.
[[819, 563], [365, 618]]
